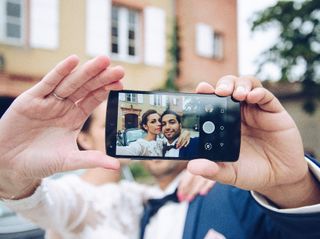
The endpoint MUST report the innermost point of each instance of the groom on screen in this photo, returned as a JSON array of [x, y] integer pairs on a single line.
[[171, 129]]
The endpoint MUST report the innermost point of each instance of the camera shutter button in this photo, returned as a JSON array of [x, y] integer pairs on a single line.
[[208, 127]]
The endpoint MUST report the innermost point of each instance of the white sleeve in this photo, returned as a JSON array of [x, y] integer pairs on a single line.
[[70, 205], [306, 209], [61, 204]]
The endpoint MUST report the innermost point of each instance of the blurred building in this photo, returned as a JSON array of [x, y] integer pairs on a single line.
[[36, 34], [132, 106], [208, 41], [292, 98], [137, 34]]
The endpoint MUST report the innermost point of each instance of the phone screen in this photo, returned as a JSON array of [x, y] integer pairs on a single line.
[[162, 125]]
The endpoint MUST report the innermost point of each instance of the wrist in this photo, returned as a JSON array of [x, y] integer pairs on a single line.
[[18, 190], [304, 192]]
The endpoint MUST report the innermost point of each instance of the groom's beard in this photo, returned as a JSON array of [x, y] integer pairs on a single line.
[[172, 135], [164, 168]]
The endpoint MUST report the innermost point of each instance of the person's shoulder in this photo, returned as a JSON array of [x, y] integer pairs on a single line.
[[141, 141], [147, 143], [222, 195], [194, 141]]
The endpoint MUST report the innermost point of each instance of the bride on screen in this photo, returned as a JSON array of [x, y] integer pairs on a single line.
[[151, 144]]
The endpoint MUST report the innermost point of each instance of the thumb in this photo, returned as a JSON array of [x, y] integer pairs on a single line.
[[221, 172], [89, 159]]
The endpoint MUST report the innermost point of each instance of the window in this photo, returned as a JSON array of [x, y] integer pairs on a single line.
[[157, 100], [131, 97], [217, 45], [124, 33], [209, 43], [174, 101], [12, 21], [115, 30]]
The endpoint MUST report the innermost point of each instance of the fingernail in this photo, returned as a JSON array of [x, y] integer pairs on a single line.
[[180, 197], [203, 193], [190, 198], [240, 89], [222, 86]]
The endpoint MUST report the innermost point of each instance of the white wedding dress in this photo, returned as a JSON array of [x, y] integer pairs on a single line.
[[142, 147], [70, 208]]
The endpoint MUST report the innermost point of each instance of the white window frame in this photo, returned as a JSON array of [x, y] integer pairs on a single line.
[[3, 20], [217, 45], [123, 36], [132, 97], [157, 100], [209, 43]]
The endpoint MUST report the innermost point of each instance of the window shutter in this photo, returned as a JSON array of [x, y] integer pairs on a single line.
[[151, 100], [44, 24], [155, 36], [122, 96], [204, 40], [140, 98], [164, 101], [98, 17], [2, 20]]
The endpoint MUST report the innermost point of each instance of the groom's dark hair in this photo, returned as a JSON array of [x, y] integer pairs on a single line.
[[171, 112]]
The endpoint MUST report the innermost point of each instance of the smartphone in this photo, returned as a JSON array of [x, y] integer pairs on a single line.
[[150, 125]]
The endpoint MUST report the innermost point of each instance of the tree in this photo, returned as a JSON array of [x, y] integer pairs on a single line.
[[174, 54], [298, 46]]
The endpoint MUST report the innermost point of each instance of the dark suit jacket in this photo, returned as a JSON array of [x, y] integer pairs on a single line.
[[235, 214], [191, 151]]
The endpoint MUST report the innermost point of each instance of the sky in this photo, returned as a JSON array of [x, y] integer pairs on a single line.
[[252, 44]]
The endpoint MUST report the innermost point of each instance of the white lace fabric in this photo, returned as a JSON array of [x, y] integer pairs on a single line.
[[70, 208], [142, 147]]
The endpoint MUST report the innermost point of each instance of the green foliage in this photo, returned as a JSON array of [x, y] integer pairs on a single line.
[[174, 53], [139, 173], [298, 45]]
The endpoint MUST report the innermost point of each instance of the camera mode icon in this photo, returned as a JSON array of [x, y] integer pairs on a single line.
[[207, 146]]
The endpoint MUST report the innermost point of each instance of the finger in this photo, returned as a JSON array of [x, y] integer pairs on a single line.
[[225, 85], [254, 81], [79, 77], [241, 89], [179, 143], [106, 77], [204, 88], [95, 98], [184, 184], [265, 100], [243, 85], [195, 188], [207, 187], [188, 142], [184, 143], [221, 172], [89, 159], [55, 76]]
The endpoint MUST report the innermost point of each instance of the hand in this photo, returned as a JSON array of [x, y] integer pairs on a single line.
[[191, 185], [184, 139], [271, 159], [38, 132]]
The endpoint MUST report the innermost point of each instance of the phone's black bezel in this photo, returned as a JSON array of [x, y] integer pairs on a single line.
[[112, 117]]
